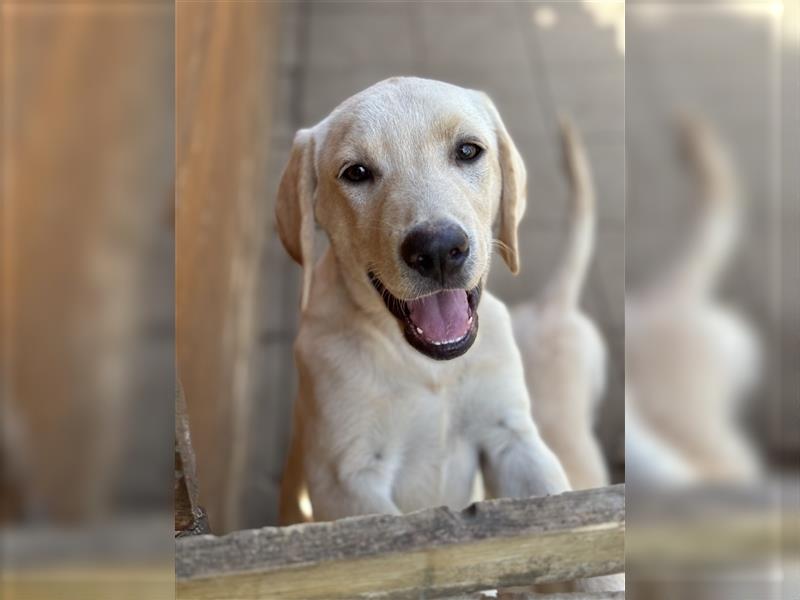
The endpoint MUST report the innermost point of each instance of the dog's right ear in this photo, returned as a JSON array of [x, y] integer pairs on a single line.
[[294, 209]]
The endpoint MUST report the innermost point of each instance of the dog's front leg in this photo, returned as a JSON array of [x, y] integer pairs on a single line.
[[355, 486], [516, 462]]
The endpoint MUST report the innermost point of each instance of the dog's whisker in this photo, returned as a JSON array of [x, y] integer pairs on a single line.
[[501, 244]]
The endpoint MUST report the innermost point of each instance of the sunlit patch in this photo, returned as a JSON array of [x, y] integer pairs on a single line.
[[783, 15], [761, 9], [545, 17], [305, 506], [609, 13]]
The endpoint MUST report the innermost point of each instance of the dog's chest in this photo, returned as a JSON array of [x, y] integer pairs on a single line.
[[437, 460]]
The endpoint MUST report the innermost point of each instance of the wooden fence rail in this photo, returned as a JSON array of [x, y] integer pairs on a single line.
[[435, 552]]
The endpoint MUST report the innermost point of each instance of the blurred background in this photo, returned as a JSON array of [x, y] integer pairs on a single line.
[[86, 293], [712, 504], [109, 289]]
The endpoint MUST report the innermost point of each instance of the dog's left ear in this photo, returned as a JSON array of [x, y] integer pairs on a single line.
[[294, 208], [514, 189]]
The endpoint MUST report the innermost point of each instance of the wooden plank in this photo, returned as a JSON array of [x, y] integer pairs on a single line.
[[498, 543], [538, 596], [567, 596], [190, 517], [224, 85]]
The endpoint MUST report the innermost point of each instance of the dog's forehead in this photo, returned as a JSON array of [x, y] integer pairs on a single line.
[[407, 110]]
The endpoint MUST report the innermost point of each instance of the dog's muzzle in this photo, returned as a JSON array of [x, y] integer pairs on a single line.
[[442, 325]]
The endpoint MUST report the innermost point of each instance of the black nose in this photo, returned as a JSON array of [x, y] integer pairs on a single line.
[[436, 250]]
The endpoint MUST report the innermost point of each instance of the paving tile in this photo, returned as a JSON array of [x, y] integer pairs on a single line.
[[354, 36], [259, 502], [279, 283], [471, 34], [291, 18], [651, 247], [659, 188], [388, 9], [689, 34], [569, 36], [548, 199], [609, 265], [283, 113], [595, 99], [273, 388], [607, 161], [539, 252]]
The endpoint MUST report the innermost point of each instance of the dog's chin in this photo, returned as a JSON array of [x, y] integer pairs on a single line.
[[450, 317]]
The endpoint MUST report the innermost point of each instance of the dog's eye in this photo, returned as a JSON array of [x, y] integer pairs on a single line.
[[467, 152], [356, 174]]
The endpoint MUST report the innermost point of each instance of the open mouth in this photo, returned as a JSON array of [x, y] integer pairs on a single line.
[[442, 325]]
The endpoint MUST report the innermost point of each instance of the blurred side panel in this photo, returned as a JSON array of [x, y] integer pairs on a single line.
[[87, 297], [225, 63], [712, 317]]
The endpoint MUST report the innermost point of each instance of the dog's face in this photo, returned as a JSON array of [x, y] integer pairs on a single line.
[[408, 181]]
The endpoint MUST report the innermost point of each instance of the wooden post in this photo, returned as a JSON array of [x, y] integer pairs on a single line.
[[190, 517], [435, 552]]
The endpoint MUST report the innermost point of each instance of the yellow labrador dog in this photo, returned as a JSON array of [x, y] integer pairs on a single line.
[[410, 379]]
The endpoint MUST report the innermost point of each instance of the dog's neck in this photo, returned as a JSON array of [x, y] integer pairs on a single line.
[[355, 286]]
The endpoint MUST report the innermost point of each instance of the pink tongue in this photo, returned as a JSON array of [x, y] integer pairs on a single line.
[[442, 317]]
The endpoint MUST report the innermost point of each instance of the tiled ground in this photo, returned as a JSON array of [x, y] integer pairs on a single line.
[[331, 50]]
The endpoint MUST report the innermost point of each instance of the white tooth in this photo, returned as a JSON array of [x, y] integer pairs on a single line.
[[419, 331], [469, 320]]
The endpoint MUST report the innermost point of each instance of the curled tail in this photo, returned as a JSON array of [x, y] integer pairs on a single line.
[[565, 287], [716, 228]]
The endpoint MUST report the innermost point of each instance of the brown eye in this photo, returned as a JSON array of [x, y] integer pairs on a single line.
[[467, 152], [356, 174]]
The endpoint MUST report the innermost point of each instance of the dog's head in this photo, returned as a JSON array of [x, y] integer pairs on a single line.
[[410, 179]]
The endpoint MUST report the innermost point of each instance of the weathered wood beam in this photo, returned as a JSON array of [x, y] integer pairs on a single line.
[[713, 526], [190, 517], [438, 552], [535, 596], [565, 596]]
